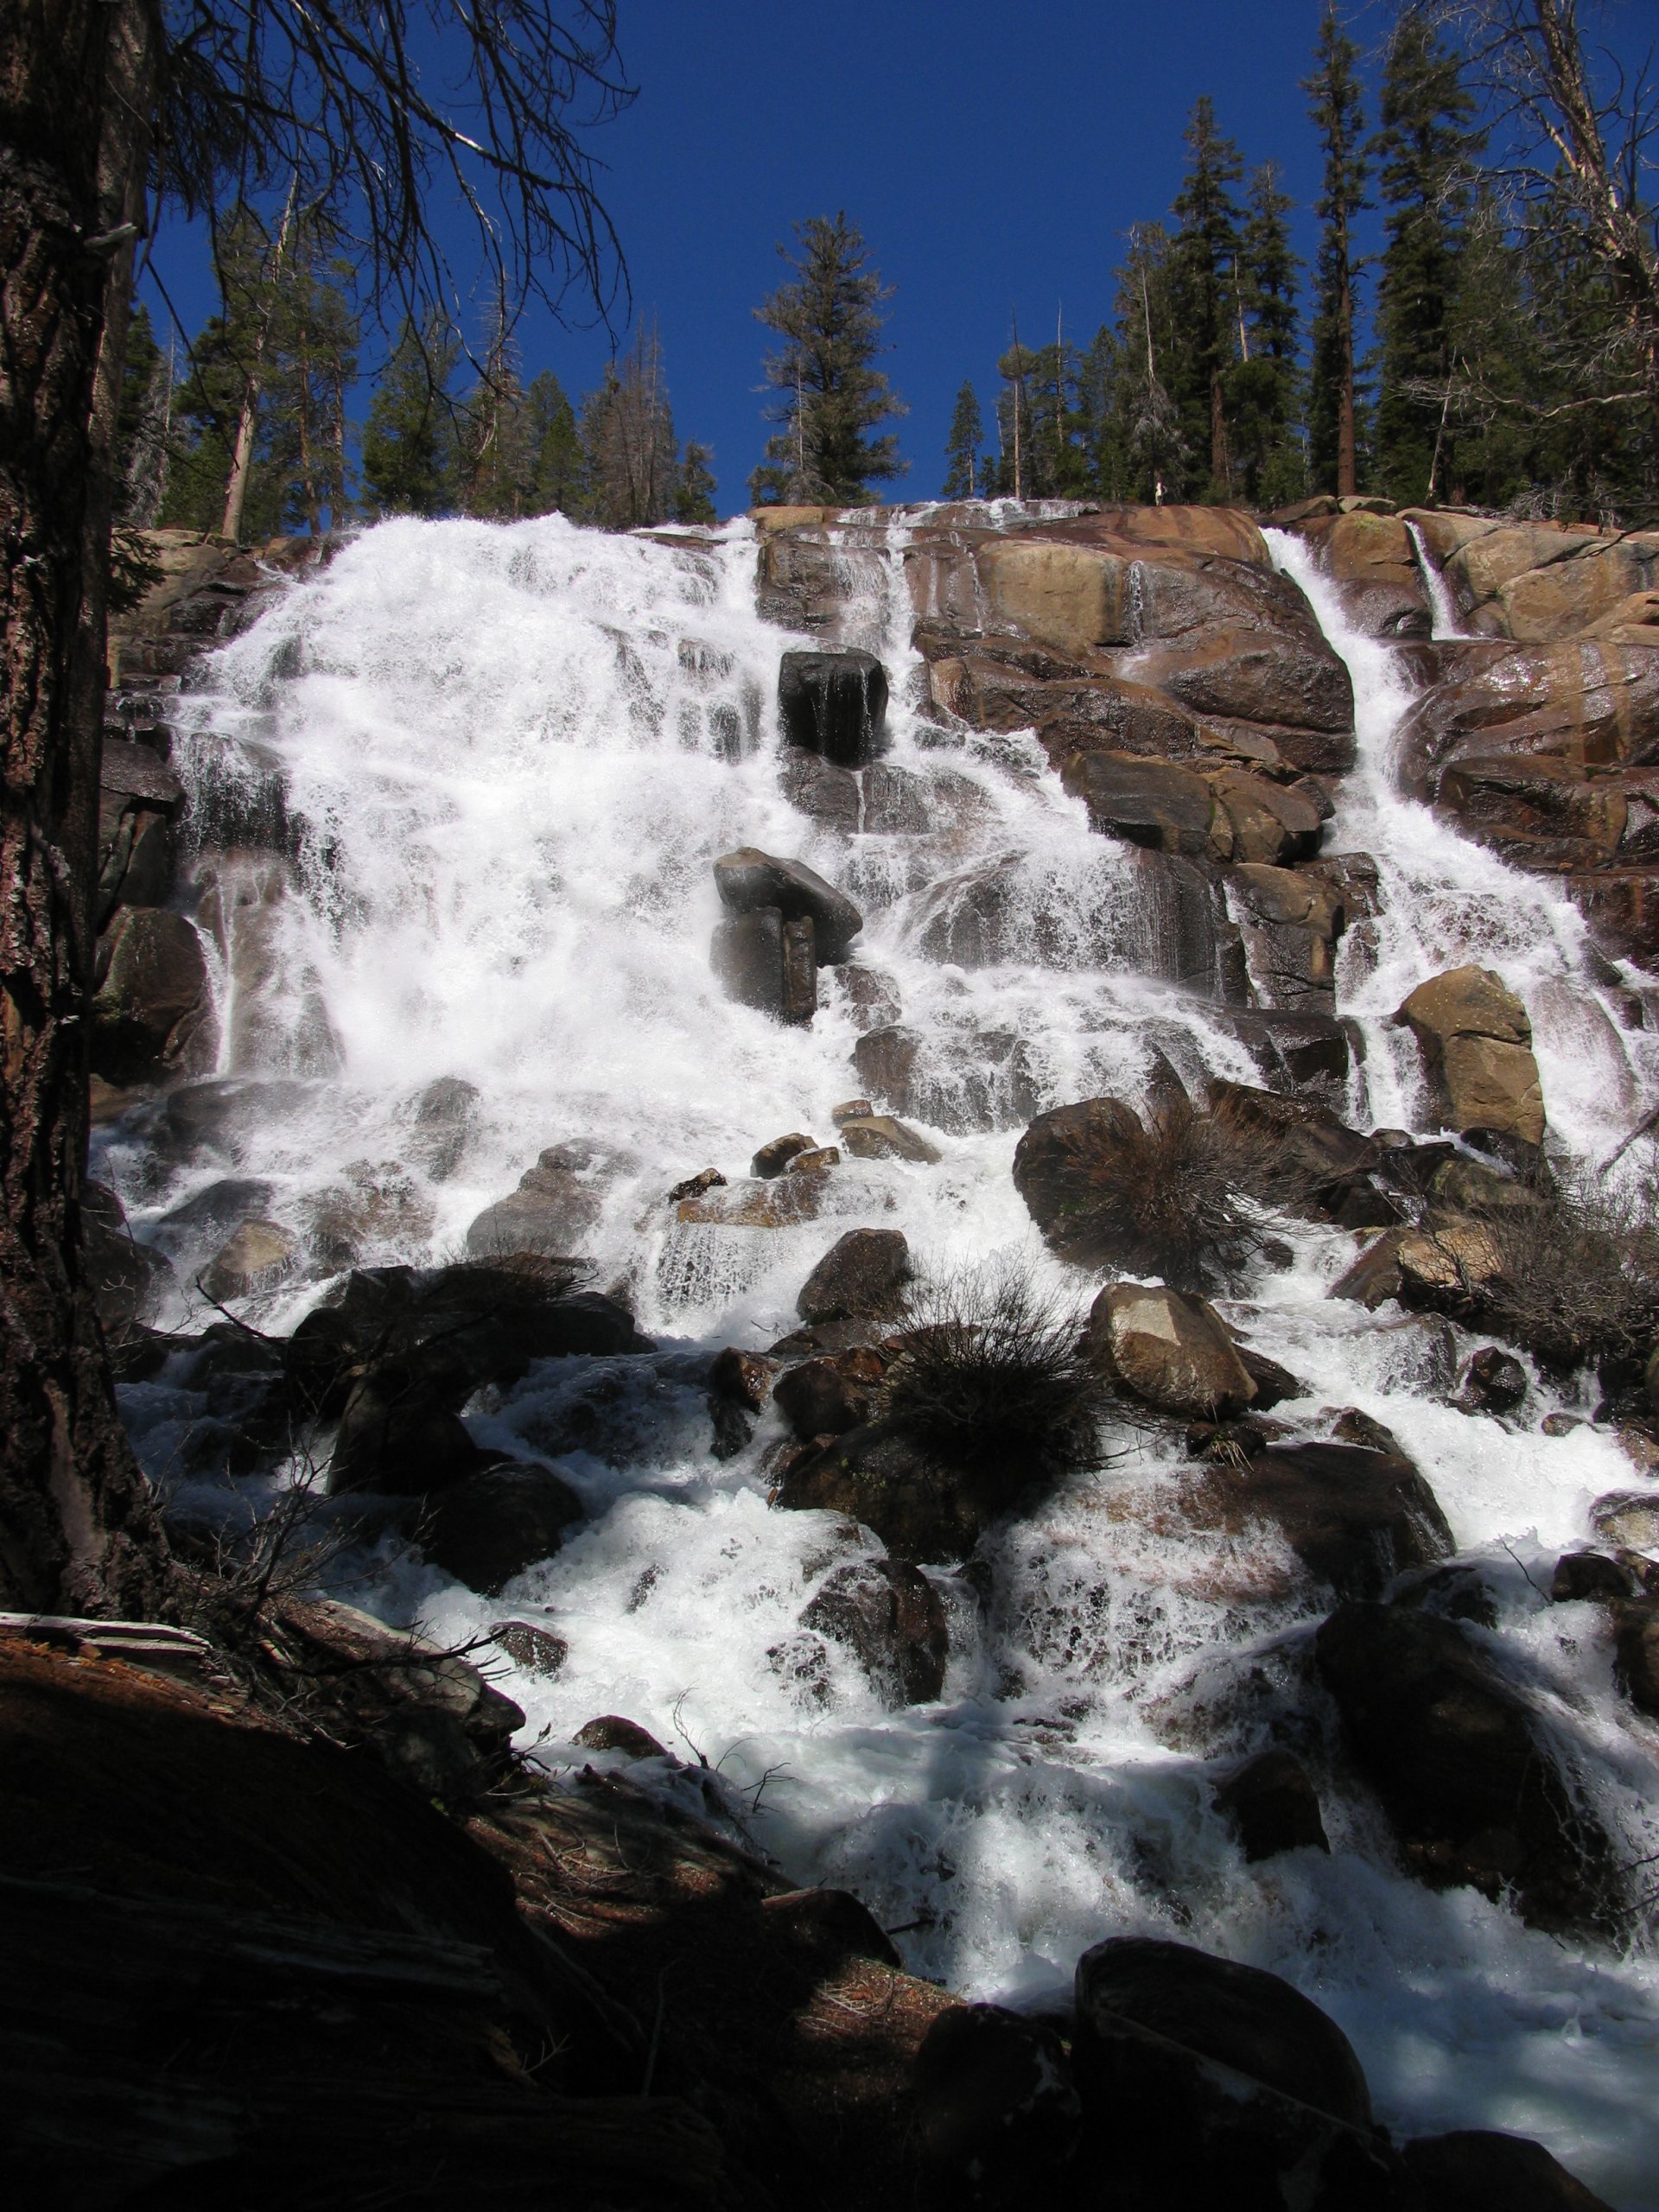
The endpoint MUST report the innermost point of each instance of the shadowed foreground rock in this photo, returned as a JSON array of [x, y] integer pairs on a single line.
[[1472, 1789]]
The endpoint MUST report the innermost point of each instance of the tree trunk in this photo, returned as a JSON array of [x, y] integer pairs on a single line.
[[1347, 442], [79, 1529]]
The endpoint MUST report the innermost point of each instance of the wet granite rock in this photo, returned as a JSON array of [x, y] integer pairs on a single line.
[[1468, 1782], [834, 704], [491, 1525], [862, 1273], [1272, 1806], [888, 1615]]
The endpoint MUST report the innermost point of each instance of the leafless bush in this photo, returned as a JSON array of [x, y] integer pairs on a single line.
[[1178, 1195], [1578, 1270], [992, 1377]]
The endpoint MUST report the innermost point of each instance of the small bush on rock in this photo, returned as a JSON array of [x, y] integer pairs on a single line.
[[993, 1378], [1178, 1195], [1577, 1279]]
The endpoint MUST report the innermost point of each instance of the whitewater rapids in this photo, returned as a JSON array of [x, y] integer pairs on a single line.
[[511, 754]]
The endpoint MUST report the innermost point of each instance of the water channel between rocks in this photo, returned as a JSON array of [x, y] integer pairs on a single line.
[[508, 756]]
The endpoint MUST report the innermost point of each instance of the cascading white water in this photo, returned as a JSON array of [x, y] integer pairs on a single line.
[[1442, 606], [515, 753]]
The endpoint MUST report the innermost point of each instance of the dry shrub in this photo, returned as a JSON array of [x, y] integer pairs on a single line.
[[1178, 1195], [1578, 1277], [993, 1378]]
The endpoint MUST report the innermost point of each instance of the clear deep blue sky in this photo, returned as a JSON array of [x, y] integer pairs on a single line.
[[994, 154]]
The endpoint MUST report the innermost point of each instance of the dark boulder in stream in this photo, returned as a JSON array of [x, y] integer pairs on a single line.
[[834, 703]]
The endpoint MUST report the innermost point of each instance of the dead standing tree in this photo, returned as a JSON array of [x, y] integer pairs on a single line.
[[1582, 131], [109, 111]]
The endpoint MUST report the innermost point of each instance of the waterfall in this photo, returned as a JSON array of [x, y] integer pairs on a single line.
[[509, 755], [1443, 609]]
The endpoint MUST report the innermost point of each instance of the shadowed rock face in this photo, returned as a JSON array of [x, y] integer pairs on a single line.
[[1471, 1788]]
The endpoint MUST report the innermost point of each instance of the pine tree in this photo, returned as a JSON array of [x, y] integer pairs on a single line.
[[211, 401], [1101, 427], [1015, 476], [1159, 459], [1204, 258], [408, 446], [630, 458], [1333, 399], [694, 495], [1426, 154], [495, 455], [961, 446], [831, 397], [310, 366], [1264, 387], [555, 476]]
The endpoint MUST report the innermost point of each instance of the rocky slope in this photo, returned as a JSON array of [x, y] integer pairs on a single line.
[[1280, 1592]]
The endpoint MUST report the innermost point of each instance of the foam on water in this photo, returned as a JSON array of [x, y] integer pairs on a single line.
[[511, 754]]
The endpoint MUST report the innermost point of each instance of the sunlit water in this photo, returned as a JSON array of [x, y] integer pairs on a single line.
[[513, 753]]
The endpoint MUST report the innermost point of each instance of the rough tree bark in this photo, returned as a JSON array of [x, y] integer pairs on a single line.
[[78, 1528]]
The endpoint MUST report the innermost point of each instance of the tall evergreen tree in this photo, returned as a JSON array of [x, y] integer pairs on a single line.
[[408, 444], [495, 456], [1204, 266], [630, 458], [1160, 460], [555, 473], [1015, 474], [1426, 154], [831, 396], [961, 446], [1264, 388], [144, 425], [1336, 110], [694, 494], [309, 366]]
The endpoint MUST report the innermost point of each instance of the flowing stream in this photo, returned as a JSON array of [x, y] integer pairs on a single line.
[[508, 756]]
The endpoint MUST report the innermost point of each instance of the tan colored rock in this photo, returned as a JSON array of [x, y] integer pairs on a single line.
[[1592, 700], [754, 1205], [1172, 1351], [1564, 598], [1466, 1002], [1633, 621], [257, 1258], [1073, 597], [1477, 1046], [1287, 894], [880, 1136], [1444, 534], [1270, 824]]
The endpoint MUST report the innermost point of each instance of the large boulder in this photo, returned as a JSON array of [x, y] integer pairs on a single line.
[[921, 1509], [750, 882], [555, 1209], [1468, 1780], [494, 1524], [1372, 561], [1477, 1046], [888, 1614], [862, 1273], [1354, 1517], [834, 703], [400, 1434], [828, 1395], [152, 1015], [1592, 702], [1476, 2169], [1073, 597], [995, 2112], [1239, 2016], [1205, 2083], [1171, 1352], [1149, 802]]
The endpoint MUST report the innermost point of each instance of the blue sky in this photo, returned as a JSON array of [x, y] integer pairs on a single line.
[[994, 154]]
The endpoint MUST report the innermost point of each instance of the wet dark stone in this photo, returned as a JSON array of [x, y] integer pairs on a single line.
[[994, 2104], [495, 1524], [862, 1273], [888, 1614], [1467, 1781], [834, 703], [1272, 1806], [612, 1732], [748, 957], [1476, 2169]]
